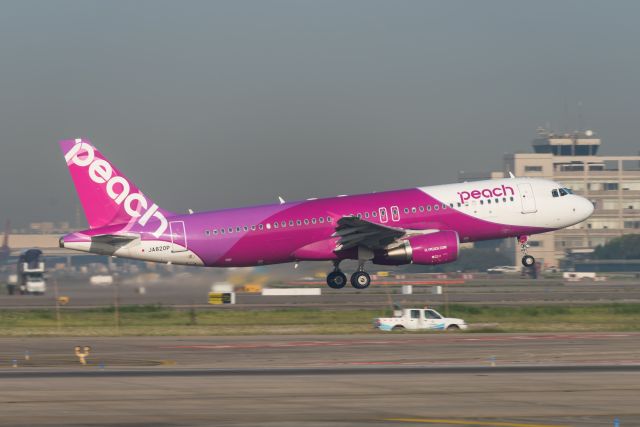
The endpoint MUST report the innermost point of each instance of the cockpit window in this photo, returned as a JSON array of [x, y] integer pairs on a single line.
[[568, 190], [554, 193], [563, 192]]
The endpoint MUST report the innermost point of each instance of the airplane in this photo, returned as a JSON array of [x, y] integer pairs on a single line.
[[423, 225]]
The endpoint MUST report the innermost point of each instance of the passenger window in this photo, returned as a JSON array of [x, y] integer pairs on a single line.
[[260, 226], [268, 226], [436, 207], [313, 220], [428, 208], [230, 229], [245, 228], [298, 222], [554, 193], [421, 208], [406, 210], [366, 214], [215, 231], [511, 198], [415, 314], [489, 201], [238, 229], [275, 224], [482, 202], [321, 220], [207, 232], [459, 204], [504, 199], [290, 223], [451, 205], [359, 216], [222, 231], [444, 206], [253, 228], [283, 224], [329, 219], [374, 214], [306, 221], [413, 210]]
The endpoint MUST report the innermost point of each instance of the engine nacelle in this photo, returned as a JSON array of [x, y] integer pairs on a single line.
[[430, 249]]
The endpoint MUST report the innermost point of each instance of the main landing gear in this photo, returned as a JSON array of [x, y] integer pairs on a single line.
[[527, 260], [337, 279]]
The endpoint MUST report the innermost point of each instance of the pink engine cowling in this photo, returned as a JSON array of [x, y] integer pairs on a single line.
[[435, 248]]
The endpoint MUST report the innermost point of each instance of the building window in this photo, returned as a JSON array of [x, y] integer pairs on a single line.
[[533, 168]]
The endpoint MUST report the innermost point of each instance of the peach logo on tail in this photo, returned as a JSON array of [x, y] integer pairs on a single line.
[[487, 193], [117, 187]]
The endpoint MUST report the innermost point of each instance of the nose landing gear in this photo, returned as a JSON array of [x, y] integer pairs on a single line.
[[527, 260]]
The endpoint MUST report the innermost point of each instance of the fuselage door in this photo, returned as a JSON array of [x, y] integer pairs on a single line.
[[383, 215], [527, 199], [178, 236], [395, 214]]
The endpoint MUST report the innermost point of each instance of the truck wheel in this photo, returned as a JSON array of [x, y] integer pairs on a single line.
[[397, 328], [453, 328]]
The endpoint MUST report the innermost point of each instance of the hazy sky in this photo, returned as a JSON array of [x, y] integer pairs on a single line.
[[218, 104]]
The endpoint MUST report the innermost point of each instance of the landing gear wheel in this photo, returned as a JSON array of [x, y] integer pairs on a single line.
[[360, 280], [336, 280], [528, 261]]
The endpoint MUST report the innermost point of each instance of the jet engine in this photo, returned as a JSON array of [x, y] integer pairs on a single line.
[[429, 249]]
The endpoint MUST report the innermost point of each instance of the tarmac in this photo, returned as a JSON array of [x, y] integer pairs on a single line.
[[508, 380], [192, 291]]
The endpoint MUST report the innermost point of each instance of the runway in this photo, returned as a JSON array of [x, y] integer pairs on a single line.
[[508, 380]]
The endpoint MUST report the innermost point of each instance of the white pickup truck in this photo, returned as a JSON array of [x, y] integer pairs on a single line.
[[418, 318]]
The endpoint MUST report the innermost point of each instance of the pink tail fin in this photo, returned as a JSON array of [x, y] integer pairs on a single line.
[[106, 195]]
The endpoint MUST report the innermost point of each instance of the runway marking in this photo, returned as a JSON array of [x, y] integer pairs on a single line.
[[469, 422]]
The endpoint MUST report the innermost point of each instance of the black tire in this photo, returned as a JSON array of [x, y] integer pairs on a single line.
[[336, 280], [528, 261], [453, 328], [360, 280], [398, 328]]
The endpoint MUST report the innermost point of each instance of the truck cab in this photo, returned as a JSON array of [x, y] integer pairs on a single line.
[[30, 273], [419, 319]]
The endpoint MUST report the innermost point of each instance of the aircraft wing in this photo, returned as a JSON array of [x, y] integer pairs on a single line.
[[354, 232]]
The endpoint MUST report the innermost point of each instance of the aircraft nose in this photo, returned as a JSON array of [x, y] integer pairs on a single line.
[[584, 208]]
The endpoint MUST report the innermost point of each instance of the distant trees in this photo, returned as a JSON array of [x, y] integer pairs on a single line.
[[625, 247]]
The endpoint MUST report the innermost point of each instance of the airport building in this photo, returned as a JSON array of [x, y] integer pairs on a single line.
[[612, 183]]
